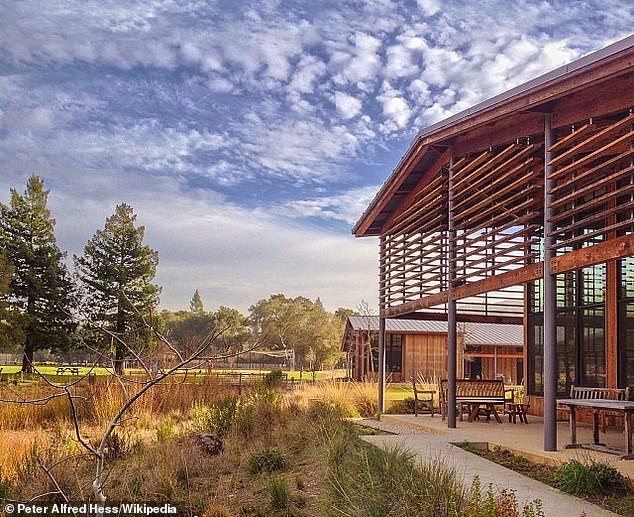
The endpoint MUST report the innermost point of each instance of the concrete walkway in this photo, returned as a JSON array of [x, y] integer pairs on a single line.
[[436, 445]]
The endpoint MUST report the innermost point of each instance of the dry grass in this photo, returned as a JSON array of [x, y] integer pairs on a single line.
[[179, 470], [352, 399]]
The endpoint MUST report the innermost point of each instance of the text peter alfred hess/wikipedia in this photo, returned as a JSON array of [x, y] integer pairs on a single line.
[[90, 509]]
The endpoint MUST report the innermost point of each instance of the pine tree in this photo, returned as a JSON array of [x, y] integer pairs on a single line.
[[10, 327], [116, 271], [41, 289], [196, 303]]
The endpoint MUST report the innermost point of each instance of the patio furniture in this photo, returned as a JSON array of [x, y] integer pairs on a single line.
[[422, 399], [624, 407], [581, 392], [518, 409], [73, 370], [475, 393]]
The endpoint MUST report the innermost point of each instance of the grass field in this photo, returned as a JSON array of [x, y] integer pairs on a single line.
[[52, 370]]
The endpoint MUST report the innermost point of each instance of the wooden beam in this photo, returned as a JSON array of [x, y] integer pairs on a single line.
[[424, 303], [495, 283], [463, 318], [599, 253]]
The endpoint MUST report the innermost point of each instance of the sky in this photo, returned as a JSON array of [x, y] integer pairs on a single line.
[[250, 136]]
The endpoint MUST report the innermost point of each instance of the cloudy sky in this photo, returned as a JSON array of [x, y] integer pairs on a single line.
[[249, 136]]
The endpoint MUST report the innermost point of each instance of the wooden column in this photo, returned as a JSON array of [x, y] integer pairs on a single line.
[[611, 307], [611, 324]]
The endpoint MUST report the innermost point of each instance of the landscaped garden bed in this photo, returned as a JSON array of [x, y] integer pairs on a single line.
[[596, 482]]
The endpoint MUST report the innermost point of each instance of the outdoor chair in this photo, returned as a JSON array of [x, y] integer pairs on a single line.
[[423, 399]]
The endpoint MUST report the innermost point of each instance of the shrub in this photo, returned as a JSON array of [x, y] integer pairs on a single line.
[[277, 489], [164, 431], [215, 419], [589, 479], [274, 378], [267, 460]]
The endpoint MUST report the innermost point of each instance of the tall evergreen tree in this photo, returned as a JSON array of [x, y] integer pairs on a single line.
[[116, 271], [10, 325], [41, 289], [196, 303]]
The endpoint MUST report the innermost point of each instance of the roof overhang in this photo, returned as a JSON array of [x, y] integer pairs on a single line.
[[539, 94]]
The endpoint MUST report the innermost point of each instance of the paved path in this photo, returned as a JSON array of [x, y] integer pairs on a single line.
[[431, 446]]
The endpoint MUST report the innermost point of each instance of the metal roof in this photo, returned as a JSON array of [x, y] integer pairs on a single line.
[[474, 333]]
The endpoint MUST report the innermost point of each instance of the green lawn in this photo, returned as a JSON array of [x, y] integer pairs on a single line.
[[398, 392], [52, 370]]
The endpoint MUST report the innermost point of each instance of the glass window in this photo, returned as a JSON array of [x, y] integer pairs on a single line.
[[626, 322], [593, 348], [394, 352]]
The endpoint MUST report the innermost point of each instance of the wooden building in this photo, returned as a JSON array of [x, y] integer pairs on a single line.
[[419, 348], [523, 207]]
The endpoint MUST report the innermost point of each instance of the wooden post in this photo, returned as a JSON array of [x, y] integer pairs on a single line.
[[611, 323], [381, 372], [550, 305]]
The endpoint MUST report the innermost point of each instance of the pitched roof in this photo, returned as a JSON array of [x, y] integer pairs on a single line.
[[530, 96], [474, 333]]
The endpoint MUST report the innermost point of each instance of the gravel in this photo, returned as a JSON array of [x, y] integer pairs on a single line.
[[388, 427]]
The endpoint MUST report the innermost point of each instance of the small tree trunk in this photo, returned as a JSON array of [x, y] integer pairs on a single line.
[[27, 357], [119, 354], [29, 342]]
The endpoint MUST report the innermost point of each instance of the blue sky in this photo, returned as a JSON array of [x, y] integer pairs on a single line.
[[250, 136]]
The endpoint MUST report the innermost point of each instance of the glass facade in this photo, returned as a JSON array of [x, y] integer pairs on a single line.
[[626, 322], [580, 330]]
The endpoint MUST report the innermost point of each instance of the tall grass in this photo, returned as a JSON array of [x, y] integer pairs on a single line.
[[351, 399], [366, 481], [100, 402]]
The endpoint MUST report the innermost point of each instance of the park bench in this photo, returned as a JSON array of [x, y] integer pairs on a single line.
[[584, 393], [475, 393], [73, 370], [423, 399]]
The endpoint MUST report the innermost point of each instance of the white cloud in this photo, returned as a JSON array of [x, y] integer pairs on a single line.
[[429, 7], [347, 105], [347, 206]]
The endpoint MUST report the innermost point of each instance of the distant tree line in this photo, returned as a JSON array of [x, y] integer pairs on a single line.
[[109, 301]]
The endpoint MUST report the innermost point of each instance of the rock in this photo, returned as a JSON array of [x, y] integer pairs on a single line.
[[210, 443]]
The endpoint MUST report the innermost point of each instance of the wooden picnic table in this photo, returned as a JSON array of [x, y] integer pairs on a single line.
[[597, 406], [73, 370]]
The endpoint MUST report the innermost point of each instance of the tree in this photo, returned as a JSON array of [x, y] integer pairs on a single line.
[[232, 327], [10, 325], [196, 303], [300, 325], [185, 328], [116, 271], [41, 289]]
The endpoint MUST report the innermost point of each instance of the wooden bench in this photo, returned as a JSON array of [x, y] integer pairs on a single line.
[[474, 393], [73, 370], [584, 393]]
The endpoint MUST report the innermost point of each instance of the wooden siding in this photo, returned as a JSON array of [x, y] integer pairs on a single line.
[[426, 355]]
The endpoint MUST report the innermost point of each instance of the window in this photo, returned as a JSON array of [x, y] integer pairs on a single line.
[[580, 331], [626, 322], [393, 352]]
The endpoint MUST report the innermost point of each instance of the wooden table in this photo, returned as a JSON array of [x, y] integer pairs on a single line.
[[625, 407], [474, 407]]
